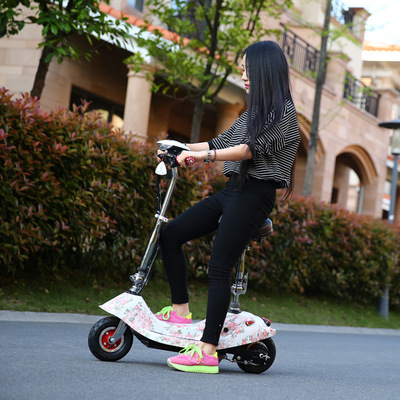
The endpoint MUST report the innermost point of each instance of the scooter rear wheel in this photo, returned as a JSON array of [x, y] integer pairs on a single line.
[[263, 355], [99, 344]]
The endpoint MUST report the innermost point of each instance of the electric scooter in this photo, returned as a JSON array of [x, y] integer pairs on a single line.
[[246, 339]]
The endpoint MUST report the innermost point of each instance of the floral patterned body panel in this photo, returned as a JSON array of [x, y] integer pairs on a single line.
[[239, 329]]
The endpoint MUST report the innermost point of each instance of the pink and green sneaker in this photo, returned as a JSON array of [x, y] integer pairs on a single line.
[[168, 314], [193, 359]]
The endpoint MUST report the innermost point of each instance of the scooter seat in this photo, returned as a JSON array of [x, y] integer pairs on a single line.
[[262, 232]]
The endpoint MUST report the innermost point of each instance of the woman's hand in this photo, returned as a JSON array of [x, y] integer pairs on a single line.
[[159, 152]]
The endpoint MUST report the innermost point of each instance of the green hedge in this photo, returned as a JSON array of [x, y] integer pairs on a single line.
[[321, 248], [77, 196], [74, 194]]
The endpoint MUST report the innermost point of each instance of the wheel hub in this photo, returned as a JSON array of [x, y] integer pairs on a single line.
[[105, 342]]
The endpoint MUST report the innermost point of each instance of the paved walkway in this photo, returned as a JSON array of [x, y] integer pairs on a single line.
[[6, 315]]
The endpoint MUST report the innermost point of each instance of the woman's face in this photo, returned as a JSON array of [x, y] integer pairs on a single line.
[[245, 78]]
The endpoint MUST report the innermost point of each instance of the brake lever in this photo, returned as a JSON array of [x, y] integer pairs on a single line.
[[171, 161]]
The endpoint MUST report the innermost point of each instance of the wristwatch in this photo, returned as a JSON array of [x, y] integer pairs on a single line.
[[208, 158]]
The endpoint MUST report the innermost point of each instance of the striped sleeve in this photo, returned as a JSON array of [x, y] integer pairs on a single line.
[[273, 152], [273, 140], [230, 137]]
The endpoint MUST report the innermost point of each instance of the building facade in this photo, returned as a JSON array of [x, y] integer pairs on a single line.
[[381, 69], [351, 168]]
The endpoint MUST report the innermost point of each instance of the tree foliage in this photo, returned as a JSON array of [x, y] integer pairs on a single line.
[[199, 45], [61, 21]]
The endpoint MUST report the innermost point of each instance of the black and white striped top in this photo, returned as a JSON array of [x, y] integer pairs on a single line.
[[274, 150]]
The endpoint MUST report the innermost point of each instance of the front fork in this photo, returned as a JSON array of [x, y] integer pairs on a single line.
[[119, 332], [141, 277]]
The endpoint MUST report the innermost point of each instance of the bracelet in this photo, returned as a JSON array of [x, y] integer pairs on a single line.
[[208, 158], [215, 155]]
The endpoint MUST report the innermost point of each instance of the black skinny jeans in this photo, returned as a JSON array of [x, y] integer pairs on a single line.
[[235, 215]]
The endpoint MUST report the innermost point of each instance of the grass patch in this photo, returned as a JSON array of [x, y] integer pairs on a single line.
[[84, 294]]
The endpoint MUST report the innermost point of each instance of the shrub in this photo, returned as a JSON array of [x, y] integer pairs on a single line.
[[320, 248], [77, 196]]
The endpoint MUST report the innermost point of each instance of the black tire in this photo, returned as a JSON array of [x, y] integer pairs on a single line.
[[262, 351], [98, 340]]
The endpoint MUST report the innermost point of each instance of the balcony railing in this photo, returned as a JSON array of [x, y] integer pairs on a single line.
[[299, 53], [361, 95]]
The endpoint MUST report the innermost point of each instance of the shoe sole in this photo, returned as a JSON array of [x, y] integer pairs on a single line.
[[186, 322], [202, 369], [175, 323]]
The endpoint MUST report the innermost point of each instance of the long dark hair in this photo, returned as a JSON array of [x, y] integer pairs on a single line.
[[268, 73]]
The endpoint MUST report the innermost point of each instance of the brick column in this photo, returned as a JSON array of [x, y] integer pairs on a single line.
[[335, 73], [388, 105], [227, 115], [137, 103]]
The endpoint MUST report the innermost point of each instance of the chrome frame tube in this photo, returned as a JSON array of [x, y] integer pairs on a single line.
[[140, 278]]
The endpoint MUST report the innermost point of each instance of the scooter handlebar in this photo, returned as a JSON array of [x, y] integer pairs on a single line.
[[170, 160]]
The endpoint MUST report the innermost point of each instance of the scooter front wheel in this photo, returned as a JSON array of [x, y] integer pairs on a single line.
[[262, 355], [100, 345]]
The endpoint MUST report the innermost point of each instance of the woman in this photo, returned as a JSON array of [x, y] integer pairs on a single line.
[[258, 151]]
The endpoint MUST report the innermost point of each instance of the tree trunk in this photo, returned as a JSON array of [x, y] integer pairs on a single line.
[[196, 121], [41, 73], [313, 143], [310, 167]]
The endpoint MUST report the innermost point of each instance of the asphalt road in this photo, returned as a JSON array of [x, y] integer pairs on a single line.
[[51, 360]]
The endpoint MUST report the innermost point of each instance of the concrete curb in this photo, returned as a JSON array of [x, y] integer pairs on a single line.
[[28, 316], [18, 316], [335, 329]]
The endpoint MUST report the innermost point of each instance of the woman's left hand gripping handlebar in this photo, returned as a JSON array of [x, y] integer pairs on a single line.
[[183, 159]]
